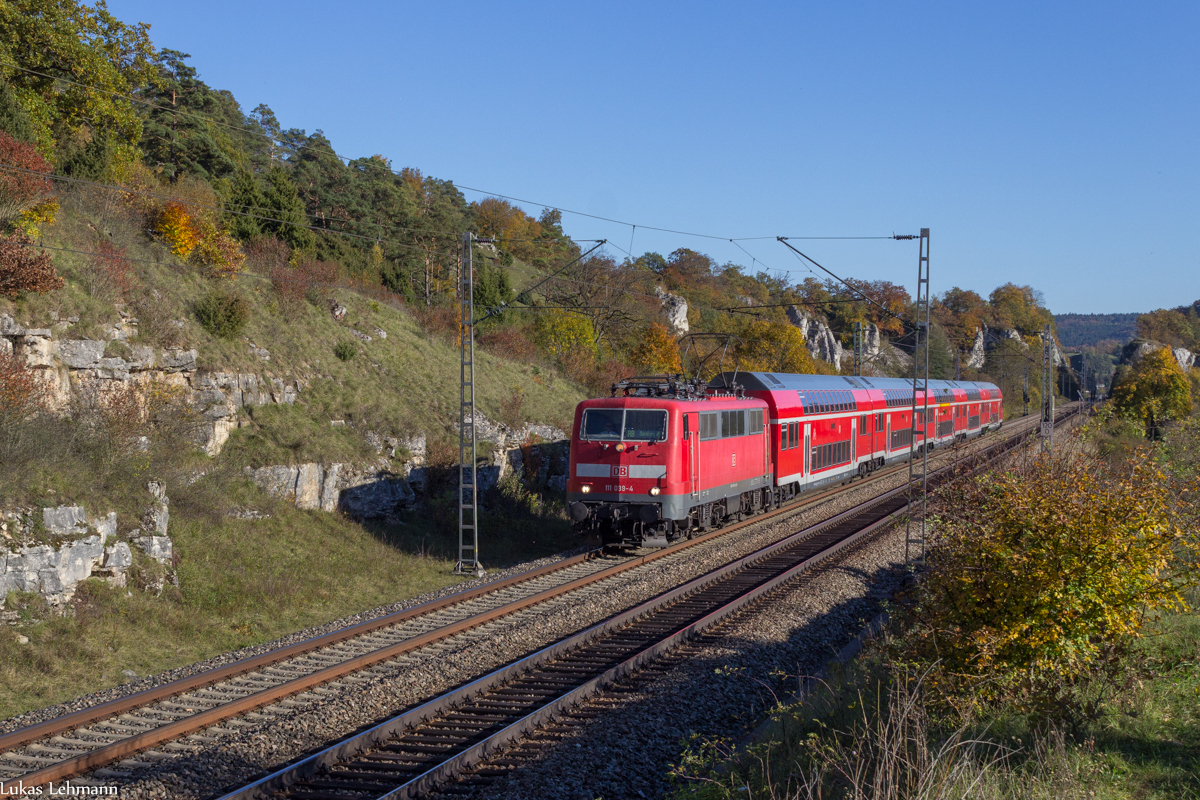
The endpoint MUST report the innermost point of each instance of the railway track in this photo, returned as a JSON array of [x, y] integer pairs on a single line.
[[426, 746], [78, 743]]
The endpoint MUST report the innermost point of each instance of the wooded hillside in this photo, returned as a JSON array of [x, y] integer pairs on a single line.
[[88, 101], [1075, 330]]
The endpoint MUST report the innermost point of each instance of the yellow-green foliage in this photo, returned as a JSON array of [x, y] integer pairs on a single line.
[[1155, 390], [560, 333], [108, 58], [776, 347], [657, 352], [1039, 570]]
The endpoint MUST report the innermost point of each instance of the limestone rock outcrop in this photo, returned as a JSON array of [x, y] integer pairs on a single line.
[[538, 453], [73, 367], [79, 547], [675, 309], [978, 355], [1135, 350], [820, 340]]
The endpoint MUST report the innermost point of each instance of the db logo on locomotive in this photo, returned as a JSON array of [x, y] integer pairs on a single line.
[[620, 472]]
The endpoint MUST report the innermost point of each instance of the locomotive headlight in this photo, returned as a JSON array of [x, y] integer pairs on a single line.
[[585, 488], [620, 448], [654, 490]]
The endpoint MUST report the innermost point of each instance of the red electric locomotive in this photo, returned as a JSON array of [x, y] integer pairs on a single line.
[[664, 457]]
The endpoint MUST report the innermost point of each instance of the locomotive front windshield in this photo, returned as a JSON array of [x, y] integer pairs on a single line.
[[645, 426], [631, 425]]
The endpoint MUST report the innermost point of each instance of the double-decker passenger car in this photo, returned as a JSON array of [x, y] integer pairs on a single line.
[[663, 457]]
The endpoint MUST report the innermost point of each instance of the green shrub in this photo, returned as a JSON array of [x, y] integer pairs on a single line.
[[223, 314], [1042, 572], [345, 350]]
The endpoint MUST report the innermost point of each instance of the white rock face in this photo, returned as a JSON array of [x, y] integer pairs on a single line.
[[160, 548], [69, 367], [819, 338], [380, 491], [871, 341], [1137, 349], [675, 309], [64, 520], [55, 571], [362, 493], [157, 515], [978, 355]]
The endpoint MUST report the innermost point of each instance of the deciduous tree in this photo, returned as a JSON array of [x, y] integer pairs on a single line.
[[1154, 391], [657, 352], [20, 190], [105, 60], [1038, 570], [764, 346], [560, 334]]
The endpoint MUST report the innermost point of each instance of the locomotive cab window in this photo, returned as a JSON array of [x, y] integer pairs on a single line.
[[645, 425], [632, 425], [603, 424], [733, 423]]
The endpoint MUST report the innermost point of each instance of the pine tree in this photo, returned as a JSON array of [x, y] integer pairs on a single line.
[[283, 204], [245, 198]]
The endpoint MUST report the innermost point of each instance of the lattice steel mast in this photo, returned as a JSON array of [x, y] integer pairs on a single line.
[[858, 349], [468, 494], [919, 481], [1047, 390]]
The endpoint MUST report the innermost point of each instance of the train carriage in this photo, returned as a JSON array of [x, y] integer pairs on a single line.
[[663, 457]]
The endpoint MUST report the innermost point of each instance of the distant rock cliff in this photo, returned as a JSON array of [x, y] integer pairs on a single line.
[[820, 340], [1136, 349]]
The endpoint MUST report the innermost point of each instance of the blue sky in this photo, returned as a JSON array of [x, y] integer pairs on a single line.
[[1050, 144]]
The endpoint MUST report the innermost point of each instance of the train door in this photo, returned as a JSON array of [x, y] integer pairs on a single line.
[[691, 453], [807, 450], [853, 440], [887, 434]]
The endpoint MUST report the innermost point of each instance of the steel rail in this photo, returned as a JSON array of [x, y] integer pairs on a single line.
[[354, 745], [125, 747], [200, 680], [439, 705]]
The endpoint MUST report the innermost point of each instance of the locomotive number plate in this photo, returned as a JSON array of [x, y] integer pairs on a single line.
[[618, 488]]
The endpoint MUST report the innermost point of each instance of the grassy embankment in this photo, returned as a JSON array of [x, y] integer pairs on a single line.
[[246, 581], [862, 734]]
